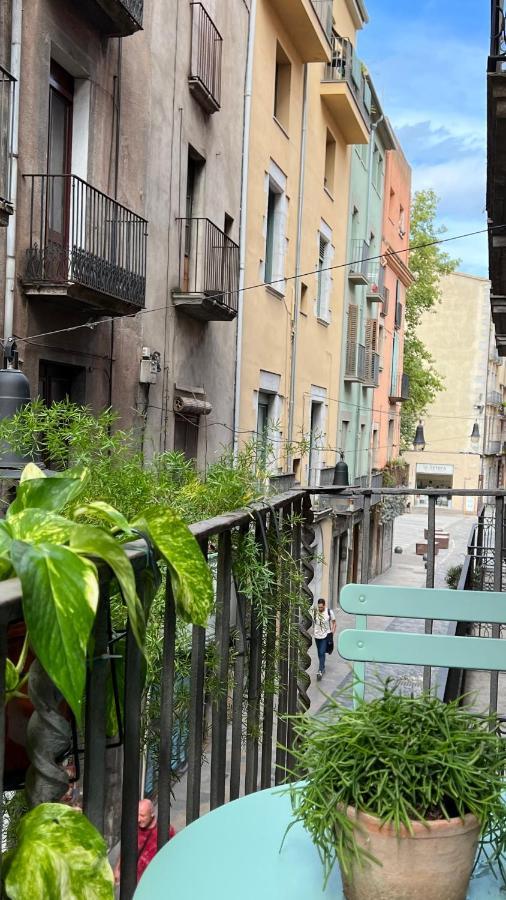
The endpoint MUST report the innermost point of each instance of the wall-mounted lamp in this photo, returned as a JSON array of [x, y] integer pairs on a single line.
[[475, 435], [419, 441], [341, 474]]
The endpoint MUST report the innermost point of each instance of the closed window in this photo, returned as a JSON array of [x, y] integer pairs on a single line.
[[282, 83]]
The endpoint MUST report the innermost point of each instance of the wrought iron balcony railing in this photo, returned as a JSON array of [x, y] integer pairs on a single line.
[[205, 69], [399, 389], [209, 271], [492, 448], [357, 270], [81, 237], [323, 9], [494, 398], [355, 369], [497, 58], [346, 66], [372, 365], [7, 88], [376, 277]]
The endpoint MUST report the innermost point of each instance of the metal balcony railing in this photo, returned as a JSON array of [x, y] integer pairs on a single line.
[[209, 262], [376, 277], [492, 448], [355, 369], [346, 66], [399, 389], [497, 58], [7, 88], [323, 9], [80, 235], [205, 69], [372, 365], [359, 260], [494, 398]]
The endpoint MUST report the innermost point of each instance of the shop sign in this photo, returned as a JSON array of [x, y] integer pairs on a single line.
[[433, 469]]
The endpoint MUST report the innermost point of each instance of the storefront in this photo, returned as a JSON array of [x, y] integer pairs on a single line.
[[433, 475]]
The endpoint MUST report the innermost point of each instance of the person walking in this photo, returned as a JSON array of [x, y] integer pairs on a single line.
[[147, 832], [324, 624]]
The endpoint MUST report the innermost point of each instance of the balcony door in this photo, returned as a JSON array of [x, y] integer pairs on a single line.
[[59, 161]]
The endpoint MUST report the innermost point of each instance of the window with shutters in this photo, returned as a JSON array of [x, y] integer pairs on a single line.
[[352, 341], [324, 281], [371, 352]]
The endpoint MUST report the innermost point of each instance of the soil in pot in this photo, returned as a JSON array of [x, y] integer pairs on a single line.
[[433, 863]]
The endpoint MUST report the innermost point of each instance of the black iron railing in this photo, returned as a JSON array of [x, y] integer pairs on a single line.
[[206, 53], [497, 58], [376, 277], [80, 235], [209, 262], [359, 251], [323, 9], [347, 67], [399, 389], [7, 88], [355, 369]]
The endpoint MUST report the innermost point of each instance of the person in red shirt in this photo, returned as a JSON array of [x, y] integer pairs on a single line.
[[146, 839]]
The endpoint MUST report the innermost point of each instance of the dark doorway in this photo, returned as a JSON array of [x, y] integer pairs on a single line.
[[186, 435], [58, 382]]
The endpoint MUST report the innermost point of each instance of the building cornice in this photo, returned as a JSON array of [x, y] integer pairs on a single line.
[[394, 261]]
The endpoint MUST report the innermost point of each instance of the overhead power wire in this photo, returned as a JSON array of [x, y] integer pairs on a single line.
[[252, 287]]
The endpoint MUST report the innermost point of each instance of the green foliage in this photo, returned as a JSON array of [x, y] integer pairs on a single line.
[[428, 264], [59, 855], [400, 759], [452, 577]]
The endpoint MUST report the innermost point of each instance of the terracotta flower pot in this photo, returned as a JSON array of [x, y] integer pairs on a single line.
[[433, 863]]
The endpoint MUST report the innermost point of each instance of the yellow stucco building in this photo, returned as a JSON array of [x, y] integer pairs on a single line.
[[463, 427], [310, 103]]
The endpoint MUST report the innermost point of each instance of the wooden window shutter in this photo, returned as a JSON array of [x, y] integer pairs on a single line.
[[371, 347], [352, 342]]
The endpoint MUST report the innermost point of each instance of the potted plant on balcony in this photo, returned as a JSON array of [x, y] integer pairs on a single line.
[[399, 791]]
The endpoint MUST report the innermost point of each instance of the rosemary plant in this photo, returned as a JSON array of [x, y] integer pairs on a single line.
[[401, 759]]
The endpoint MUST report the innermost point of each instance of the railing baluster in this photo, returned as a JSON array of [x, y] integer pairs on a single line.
[[294, 636], [237, 707], [166, 714], [254, 675], [498, 563], [95, 724], [283, 666], [431, 557], [220, 703]]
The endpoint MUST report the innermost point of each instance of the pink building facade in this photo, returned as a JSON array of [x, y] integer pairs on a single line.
[[393, 387]]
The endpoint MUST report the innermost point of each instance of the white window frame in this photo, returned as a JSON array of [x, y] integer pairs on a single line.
[[324, 280], [276, 184]]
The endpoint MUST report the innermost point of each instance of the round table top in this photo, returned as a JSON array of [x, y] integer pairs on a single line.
[[235, 852]]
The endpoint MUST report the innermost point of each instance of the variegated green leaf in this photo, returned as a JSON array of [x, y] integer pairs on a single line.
[[106, 513], [190, 575], [37, 525], [59, 855], [60, 596], [30, 472], [50, 494]]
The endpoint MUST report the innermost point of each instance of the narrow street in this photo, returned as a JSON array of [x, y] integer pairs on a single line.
[[407, 569]]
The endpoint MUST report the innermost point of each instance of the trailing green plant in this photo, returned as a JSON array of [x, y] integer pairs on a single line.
[[452, 576], [398, 758], [59, 855], [53, 556]]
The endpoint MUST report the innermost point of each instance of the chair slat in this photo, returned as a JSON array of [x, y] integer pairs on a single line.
[[424, 603], [423, 649]]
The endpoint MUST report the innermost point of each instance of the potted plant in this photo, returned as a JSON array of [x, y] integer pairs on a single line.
[[399, 791]]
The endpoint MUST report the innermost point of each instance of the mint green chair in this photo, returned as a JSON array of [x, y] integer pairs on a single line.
[[361, 644]]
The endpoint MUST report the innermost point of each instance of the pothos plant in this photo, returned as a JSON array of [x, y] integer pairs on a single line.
[[55, 558]]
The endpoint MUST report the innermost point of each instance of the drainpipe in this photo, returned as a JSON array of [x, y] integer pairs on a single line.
[[298, 252], [243, 227], [10, 263]]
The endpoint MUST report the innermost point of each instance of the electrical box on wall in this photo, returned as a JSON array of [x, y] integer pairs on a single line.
[[150, 366]]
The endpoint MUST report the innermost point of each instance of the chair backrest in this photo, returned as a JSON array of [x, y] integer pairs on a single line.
[[361, 644]]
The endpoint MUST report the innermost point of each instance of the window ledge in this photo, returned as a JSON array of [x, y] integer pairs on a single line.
[[322, 321], [276, 292], [282, 127]]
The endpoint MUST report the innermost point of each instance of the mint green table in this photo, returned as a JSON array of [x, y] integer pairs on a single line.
[[233, 854]]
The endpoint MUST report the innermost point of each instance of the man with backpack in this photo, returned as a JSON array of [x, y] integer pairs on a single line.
[[324, 627]]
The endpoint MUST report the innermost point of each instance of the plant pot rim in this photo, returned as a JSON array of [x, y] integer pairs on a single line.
[[433, 828]]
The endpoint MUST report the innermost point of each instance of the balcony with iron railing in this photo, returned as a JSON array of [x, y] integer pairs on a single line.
[[204, 79], [372, 368], [355, 369], [7, 89], [84, 245], [399, 389], [114, 18], [308, 24], [376, 277], [493, 448], [357, 269], [346, 93], [494, 398], [208, 286]]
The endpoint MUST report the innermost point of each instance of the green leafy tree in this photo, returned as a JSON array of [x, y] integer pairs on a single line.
[[428, 264]]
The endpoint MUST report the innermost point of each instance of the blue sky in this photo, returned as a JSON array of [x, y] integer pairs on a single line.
[[428, 61]]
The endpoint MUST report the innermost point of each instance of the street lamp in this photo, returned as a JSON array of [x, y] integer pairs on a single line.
[[419, 441], [341, 475], [475, 435]]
